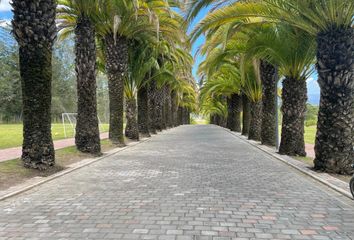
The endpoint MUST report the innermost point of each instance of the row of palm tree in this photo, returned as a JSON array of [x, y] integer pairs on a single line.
[[139, 44], [259, 40]]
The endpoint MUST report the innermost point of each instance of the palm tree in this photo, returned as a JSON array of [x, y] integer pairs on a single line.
[[214, 106], [35, 31], [269, 87], [120, 22], [330, 21], [221, 66], [152, 89], [293, 51], [123, 22], [175, 73], [246, 115], [131, 129], [144, 109], [141, 63], [78, 16], [226, 82], [234, 103], [253, 90]]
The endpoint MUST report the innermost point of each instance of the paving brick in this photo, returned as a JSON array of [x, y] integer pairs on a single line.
[[188, 183]]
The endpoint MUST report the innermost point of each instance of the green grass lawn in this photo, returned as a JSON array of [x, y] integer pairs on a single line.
[[310, 134], [11, 134], [12, 172]]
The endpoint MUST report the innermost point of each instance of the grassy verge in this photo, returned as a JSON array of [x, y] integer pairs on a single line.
[[12, 172], [307, 160], [11, 134]]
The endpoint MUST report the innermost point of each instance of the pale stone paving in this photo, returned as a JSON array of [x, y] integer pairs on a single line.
[[189, 183]]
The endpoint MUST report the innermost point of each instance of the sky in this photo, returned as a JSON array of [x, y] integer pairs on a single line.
[[312, 85]]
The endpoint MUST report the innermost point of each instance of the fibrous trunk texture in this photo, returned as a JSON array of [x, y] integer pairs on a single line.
[[164, 107], [35, 30], [220, 121], [294, 98], [174, 108], [256, 121], [132, 129], [246, 115], [234, 103], [143, 110], [87, 137], [168, 112], [269, 91], [185, 115], [152, 106], [212, 119], [159, 106], [180, 116], [335, 133], [116, 66]]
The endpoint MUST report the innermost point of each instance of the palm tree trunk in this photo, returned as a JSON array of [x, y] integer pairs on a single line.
[[223, 121], [246, 115], [217, 120], [294, 98], [186, 116], [159, 101], [87, 137], [174, 108], [152, 106], [212, 119], [164, 107], [335, 127], [180, 116], [35, 31], [169, 108], [234, 112], [116, 65], [132, 129], [269, 87], [256, 121], [167, 95], [143, 110]]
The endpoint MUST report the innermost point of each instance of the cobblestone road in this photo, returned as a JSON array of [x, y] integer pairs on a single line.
[[189, 183]]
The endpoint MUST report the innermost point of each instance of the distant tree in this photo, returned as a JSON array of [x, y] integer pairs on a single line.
[[10, 84], [64, 81]]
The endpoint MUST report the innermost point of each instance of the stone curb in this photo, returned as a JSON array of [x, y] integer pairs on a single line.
[[320, 177], [73, 167]]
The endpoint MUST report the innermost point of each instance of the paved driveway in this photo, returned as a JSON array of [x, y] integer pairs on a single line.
[[192, 182]]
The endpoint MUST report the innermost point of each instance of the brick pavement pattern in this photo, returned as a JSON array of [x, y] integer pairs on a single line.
[[188, 183]]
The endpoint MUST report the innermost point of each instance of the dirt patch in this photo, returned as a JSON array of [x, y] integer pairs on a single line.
[[309, 162], [345, 178], [13, 173]]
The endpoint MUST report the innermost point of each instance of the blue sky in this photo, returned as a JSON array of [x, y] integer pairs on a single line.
[[313, 88]]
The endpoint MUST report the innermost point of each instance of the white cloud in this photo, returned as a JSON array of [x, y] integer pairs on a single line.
[[5, 24], [5, 5]]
